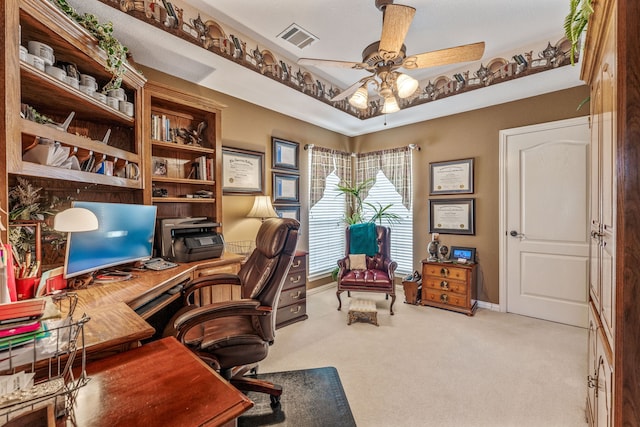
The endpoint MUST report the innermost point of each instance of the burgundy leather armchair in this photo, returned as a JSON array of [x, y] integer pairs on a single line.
[[379, 272], [229, 335]]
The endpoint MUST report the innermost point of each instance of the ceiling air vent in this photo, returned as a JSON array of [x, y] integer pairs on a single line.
[[298, 36]]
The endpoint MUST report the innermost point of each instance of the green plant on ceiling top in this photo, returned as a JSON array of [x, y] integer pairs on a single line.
[[103, 32], [575, 23]]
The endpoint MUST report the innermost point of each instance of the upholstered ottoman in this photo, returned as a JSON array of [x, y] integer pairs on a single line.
[[363, 309]]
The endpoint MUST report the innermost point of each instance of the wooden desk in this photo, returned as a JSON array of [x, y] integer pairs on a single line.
[[159, 383], [115, 324]]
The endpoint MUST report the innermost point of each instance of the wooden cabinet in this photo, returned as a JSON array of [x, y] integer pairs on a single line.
[[609, 64], [450, 286], [602, 281], [183, 142], [292, 306]]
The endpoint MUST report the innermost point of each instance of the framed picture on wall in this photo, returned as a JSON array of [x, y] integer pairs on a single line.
[[452, 177], [285, 154], [452, 216], [288, 212], [286, 188], [242, 171]]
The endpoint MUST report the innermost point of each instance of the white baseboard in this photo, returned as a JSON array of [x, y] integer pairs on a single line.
[[488, 305]]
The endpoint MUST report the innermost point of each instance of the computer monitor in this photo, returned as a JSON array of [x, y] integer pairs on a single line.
[[124, 235]]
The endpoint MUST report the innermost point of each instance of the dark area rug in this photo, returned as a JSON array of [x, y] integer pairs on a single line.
[[310, 398]]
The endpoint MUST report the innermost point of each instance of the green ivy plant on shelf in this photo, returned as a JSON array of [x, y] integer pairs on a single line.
[[576, 22], [116, 51]]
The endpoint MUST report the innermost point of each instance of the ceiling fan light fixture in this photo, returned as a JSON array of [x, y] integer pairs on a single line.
[[390, 105], [406, 85], [360, 99]]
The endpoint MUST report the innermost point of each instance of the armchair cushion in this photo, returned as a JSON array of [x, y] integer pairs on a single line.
[[358, 261], [366, 278]]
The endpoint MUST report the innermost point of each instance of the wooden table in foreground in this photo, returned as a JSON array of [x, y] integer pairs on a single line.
[[160, 383]]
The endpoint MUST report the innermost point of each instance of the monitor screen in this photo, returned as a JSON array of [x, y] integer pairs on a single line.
[[124, 234]]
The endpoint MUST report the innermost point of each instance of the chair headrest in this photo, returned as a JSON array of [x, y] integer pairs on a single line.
[[272, 235]]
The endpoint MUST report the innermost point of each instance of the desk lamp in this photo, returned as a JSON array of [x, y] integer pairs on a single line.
[[74, 220], [262, 208]]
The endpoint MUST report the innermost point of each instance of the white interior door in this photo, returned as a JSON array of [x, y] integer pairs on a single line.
[[544, 221]]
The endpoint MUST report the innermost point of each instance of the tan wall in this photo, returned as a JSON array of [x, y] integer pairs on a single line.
[[472, 134]]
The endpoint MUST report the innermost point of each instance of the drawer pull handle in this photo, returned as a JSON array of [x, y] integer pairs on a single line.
[[296, 310], [444, 298], [295, 296], [444, 285], [295, 279], [296, 263], [444, 272]]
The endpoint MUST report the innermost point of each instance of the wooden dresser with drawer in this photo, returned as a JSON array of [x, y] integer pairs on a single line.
[[449, 286], [292, 306]]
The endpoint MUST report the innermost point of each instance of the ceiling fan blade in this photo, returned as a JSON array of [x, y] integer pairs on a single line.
[[468, 52], [331, 63], [395, 25], [348, 91]]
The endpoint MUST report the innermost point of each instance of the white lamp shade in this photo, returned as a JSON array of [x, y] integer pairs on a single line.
[[406, 85], [360, 99], [390, 105], [262, 208], [74, 220]]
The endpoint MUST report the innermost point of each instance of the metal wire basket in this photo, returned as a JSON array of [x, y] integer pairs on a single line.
[[241, 247], [50, 357]]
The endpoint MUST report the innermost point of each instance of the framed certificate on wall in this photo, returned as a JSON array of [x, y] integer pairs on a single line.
[[242, 171], [452, 216], [452, 177]]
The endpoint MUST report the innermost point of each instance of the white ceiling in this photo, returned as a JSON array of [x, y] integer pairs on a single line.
[[344, 28]]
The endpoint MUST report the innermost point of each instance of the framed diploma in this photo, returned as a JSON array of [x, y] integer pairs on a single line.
[[452, 216], [453, 177], [242, 171], [286, 188], [285, 154]]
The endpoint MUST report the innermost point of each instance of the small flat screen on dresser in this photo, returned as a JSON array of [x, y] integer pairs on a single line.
[[468, 254]]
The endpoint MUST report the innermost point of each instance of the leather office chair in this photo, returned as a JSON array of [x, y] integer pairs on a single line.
[[378, 273], [230, 335]]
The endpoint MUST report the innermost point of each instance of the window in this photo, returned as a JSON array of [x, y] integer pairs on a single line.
[[381, 194], [327, 208], [326, 229], [391, 170]]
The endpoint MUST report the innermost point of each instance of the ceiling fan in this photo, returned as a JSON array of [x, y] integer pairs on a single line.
[[384, 57]]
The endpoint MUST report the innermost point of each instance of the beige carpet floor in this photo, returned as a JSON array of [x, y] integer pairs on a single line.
[[430, 367]]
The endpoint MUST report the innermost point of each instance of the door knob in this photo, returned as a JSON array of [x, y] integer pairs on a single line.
[[514, 233]]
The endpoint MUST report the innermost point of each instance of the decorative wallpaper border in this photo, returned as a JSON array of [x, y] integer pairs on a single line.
[[190, 24]]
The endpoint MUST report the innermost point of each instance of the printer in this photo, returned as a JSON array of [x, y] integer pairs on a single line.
[[188, 239]]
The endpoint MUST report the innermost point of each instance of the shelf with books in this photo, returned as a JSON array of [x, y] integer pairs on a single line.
[[183, 141]]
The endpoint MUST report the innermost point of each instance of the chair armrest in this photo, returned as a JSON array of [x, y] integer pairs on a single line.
[[208, 281], [390, 266], [194, 316]]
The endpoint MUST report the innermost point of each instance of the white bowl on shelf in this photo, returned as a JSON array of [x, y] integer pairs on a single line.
[[42, 50], [35, 61], [100, 97], [23, 53], [55, 72]]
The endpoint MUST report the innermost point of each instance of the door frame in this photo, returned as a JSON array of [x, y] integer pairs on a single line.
[[502, 214]]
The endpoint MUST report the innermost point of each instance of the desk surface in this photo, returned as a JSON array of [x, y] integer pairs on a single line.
[[111, 305], [152, 384]]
